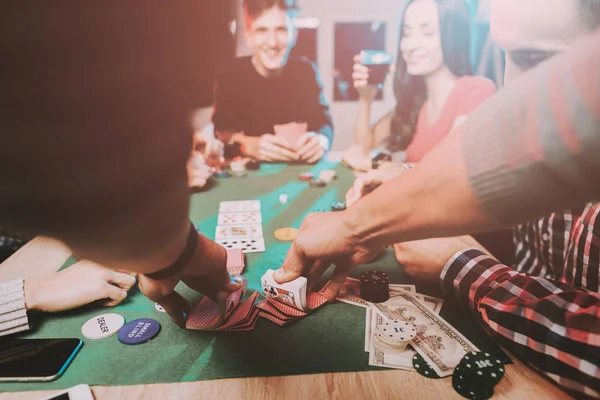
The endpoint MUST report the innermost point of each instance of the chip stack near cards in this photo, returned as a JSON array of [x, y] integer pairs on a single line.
[[239, 226]]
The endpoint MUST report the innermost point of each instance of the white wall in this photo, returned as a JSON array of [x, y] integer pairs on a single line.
[[329, 12]]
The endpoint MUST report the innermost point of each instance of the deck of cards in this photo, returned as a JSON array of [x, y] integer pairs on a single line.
[[287, 302], [239, 226]]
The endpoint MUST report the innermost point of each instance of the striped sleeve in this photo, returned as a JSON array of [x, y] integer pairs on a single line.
[[13, 314], [551, 326], [533, 148]]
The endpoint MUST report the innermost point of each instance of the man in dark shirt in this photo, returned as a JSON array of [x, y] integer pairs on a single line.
[[253, 94]]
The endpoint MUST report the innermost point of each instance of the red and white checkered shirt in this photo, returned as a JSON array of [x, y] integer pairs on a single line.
[[547, 312]]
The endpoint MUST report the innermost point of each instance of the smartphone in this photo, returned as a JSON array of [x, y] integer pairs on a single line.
[[36, 359], [79, 392]]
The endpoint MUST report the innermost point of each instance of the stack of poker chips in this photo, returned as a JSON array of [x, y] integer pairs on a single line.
[[476, 375], [375, 286], [393, 337], [238, 168], [338, 206], [328, 175]]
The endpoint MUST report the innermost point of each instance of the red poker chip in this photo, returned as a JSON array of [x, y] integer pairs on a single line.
[[306, 176]]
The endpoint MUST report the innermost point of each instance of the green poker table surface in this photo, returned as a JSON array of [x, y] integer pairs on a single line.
[[328, 340]]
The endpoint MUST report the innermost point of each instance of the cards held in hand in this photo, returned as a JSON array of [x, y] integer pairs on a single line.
[[287, 302], [228, 313]]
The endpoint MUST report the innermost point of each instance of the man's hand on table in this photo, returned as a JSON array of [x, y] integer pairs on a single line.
[[312, 147], [76, 286], [369, 181], [424, 260], [323, 239], [206, 273]]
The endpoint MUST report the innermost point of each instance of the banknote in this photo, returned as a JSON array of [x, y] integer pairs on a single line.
[[432, 303], [437, 341], [350, 292], [379, 358]]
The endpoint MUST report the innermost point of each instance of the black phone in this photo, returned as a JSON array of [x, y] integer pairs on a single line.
[[36, 359]]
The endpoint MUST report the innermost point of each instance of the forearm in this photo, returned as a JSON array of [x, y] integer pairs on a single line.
[[13, 312], [433, 199], [363, 134], [547, 324]]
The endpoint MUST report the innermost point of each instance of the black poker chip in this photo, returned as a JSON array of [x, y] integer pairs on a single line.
[[338, 206], [423, 367], [253, 165], [476, 375], [374, 286], [318, 183]]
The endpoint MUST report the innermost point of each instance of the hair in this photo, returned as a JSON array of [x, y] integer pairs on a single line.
[[410, 91], [590, 11], [254, 8]]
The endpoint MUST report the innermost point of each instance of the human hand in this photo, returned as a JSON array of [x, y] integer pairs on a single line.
[[360, 78], [424, 260], [357, 159], [312, 147], [369, 181], [198, 171], [76, 286], [207, 145], [272, 148], [324, 239], [206, 273]]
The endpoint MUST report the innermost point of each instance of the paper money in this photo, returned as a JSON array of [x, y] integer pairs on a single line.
[[350, 292], [432, 303], [379, 358], [437, 341]]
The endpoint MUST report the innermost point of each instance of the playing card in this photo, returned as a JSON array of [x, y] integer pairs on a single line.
[[273, 319], [235, 261], [292, 293], [240, 314], [268, 307], [208, 314], [238, 231], [249, 245], [238, 218], [291, 132], [287, 309], [239, 206]]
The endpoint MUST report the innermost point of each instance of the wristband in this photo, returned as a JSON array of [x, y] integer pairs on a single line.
[[183, 259]]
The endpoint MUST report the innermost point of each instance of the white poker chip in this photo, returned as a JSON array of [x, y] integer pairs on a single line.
[[283, 198], [397, 332], [102, 326], [159, 308]]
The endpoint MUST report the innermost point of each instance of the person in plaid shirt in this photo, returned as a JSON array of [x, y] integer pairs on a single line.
[[543, 310]]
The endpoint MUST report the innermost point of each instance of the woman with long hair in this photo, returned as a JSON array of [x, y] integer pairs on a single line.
[[433, 85]]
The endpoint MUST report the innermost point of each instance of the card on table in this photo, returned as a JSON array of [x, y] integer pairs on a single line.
[[235, 261], [239, 206], [249, 245], [239, 218], [291, 132], [238, 231], [292, 293]]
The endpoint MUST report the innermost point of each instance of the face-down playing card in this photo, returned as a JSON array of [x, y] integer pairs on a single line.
[[235, 262], [283, 314], [208, 314]]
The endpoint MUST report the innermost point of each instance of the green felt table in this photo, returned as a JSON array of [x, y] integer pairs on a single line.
[[329, 340]]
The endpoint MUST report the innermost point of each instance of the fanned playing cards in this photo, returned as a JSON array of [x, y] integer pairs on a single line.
[[239, 226]]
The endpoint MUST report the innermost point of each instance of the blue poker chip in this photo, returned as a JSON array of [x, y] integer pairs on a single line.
[[138, 331]]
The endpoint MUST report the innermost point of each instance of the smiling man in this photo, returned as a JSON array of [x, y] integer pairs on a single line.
[[254, 94]]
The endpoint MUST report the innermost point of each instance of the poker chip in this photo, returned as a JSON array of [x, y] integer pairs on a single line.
[[159, 308], [138, 331], [222, 174], [253, 165], [328, 175], [102, 326], [423, 367], [306, 176], [318, 183], [238, 174], [286, 234], [476, 375], [237, 166], [374, 286], [283, 198], [338, 206]]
